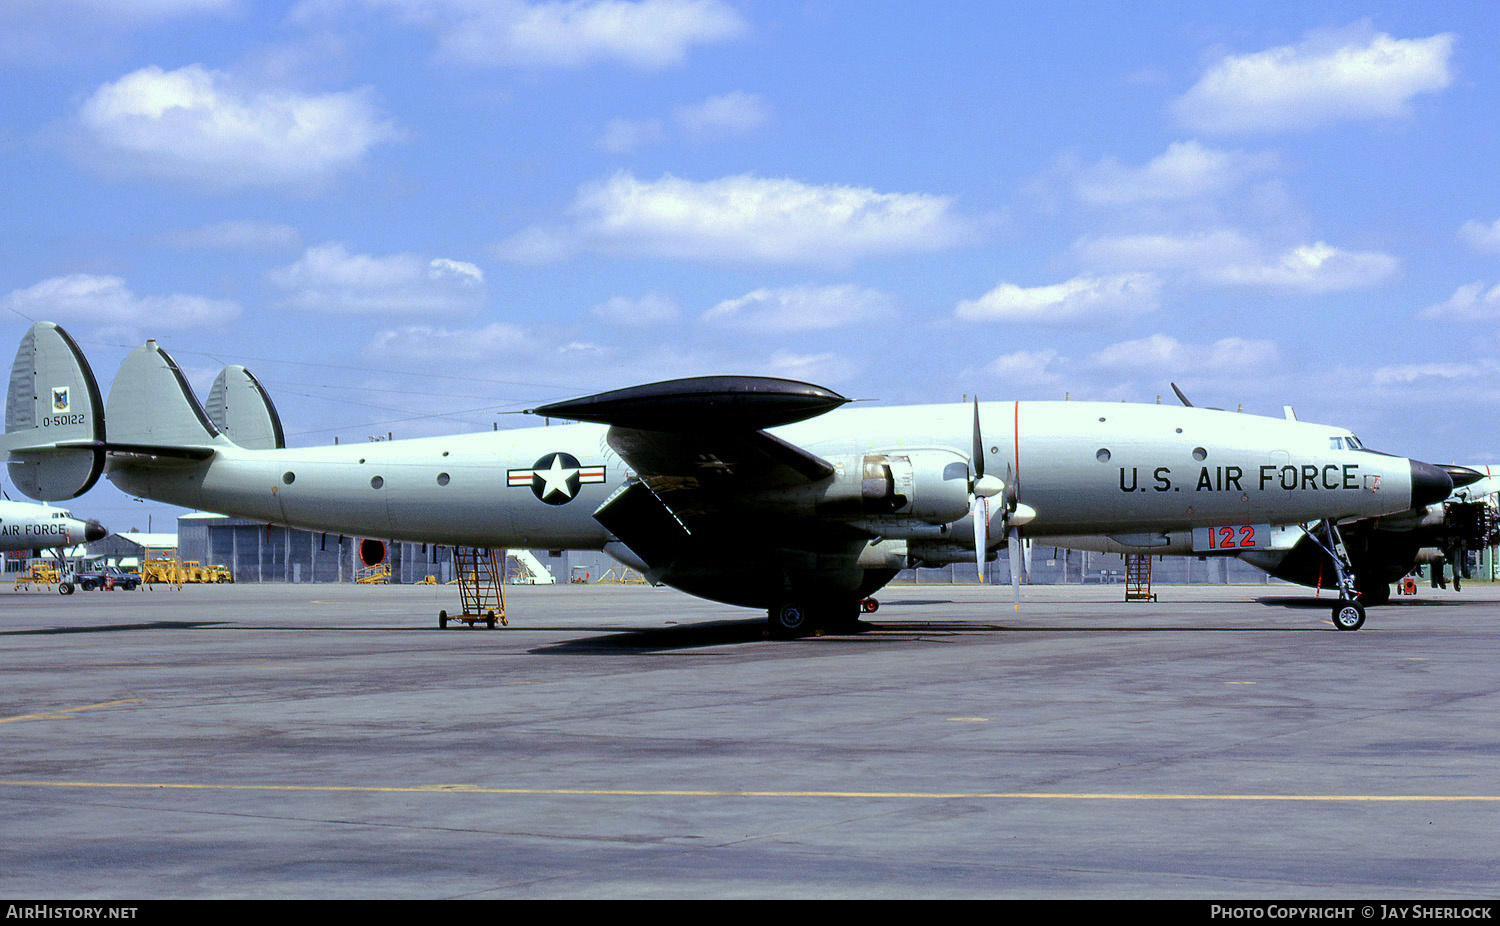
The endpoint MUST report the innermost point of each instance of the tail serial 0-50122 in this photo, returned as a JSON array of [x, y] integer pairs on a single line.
[[754, 491]]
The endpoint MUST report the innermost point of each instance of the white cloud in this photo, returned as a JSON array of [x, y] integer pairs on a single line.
[[106, 300], [1409, 374], [1199, 251], [725, 116], [1470, 303], [1160, 351], [622, 136], [811, 368], [1312, 268], [539, 245], [1025, 366], [1481, 237], [650, 309], [802, 308], [1327, 78], [744, 219], [649, 34], [237, 236], [327, 278], [448, 345], [198, 125], [1084, 297], [1186, 170]]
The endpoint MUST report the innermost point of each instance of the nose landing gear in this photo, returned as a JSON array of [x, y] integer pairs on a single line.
[[1348, 614]]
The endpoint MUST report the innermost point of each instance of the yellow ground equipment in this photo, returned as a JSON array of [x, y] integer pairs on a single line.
[[481, 587], [216, 574], [39, 573], [165, 571], [1138, 577], [378, 574], [621, 575]]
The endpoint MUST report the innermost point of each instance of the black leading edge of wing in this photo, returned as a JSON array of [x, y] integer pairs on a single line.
[[717, 403]]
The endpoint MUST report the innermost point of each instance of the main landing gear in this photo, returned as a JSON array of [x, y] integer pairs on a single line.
[[1348, 614], [800, 618]]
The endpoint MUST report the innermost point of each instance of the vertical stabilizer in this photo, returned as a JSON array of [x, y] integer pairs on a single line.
[[240, 408], [151, 405], [54, 418]]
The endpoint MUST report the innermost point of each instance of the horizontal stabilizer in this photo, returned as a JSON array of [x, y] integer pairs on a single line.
[[53, 402], [242, 411], [152, 405]]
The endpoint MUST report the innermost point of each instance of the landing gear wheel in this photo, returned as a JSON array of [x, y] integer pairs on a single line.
[[789, 620], [442, 620], [1348, 615], [489, 621], [869, 606]]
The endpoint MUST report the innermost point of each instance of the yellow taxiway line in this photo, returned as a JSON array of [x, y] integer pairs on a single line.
[[63, 711], [826, 795]]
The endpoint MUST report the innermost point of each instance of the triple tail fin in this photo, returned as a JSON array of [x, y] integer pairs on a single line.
[[153, 410], [240, 408], [54, 417]]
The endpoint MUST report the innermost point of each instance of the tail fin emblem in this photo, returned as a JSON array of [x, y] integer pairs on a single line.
[[60, 399]]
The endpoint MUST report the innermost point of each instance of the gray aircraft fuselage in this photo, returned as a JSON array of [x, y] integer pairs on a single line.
[[1084, 467]]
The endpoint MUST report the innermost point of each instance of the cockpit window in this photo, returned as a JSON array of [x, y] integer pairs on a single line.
[[1348, 442]]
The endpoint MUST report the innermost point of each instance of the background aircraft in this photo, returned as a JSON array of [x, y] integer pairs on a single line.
[[753, 491], [24, 526]]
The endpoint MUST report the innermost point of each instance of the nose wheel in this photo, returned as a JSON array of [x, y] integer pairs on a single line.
[[1348, 615]]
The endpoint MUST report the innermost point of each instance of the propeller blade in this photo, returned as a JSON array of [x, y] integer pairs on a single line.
[[976, 460], [981, 517], [1015, 564]]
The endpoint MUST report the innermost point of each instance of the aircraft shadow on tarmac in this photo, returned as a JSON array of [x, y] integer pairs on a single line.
[[113, 628], [1327, 603], [730, 633], [659, 639]]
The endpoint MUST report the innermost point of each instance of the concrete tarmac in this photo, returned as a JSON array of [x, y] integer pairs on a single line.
[[313, 741]]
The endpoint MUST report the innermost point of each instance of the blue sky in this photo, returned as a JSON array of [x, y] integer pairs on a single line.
[[408, 216]]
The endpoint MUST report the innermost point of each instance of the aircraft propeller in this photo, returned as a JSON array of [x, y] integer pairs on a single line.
[[1012, 513], [981, 489]]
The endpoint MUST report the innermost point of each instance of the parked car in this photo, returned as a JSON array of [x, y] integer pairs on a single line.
[[107, 577]]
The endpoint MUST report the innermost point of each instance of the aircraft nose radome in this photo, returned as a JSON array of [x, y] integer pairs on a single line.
[[93, 530], [1429, 484], [1462, 475]]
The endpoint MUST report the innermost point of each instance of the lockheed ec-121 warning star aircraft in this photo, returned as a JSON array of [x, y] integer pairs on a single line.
[[753, 491], [38, 527]]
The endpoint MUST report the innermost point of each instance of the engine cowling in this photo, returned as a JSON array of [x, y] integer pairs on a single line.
[[930, 487]]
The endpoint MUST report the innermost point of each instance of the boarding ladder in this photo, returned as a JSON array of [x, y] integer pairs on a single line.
[[481, 587], [1138, 577]]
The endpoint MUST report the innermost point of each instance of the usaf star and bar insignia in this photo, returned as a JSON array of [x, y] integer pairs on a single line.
[[556, 477]]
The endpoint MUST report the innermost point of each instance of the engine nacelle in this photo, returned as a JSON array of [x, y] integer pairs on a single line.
[[929, 487], [941, 553]]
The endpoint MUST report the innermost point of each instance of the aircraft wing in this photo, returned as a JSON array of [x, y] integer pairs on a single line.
[[700, 454]]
